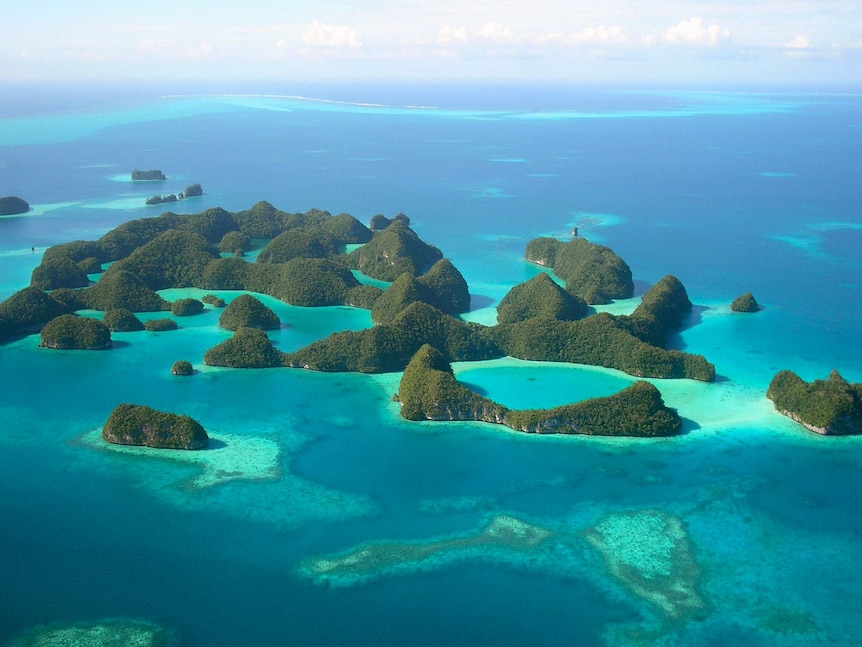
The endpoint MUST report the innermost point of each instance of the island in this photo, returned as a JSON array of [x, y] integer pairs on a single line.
[[192, 191], [314, 259], [745, 303], [828, 407], [162, 199], [155, 174], [12, 205], [429, 391], [133, 424], [71, 332], [122, 320], [248, 312], [182, 368]]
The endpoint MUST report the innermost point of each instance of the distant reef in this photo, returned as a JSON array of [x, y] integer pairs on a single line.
[[132, 424], [12, 206], [191, 191], [829, 407], [154, 174], [429, 391]]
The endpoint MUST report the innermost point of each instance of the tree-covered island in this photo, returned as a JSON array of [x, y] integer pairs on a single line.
[[133, 424], [429, 391], [154, 174], [12, 205], [829, 407], [306, 263]]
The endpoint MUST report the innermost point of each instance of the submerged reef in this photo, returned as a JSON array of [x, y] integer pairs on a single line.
[[504, 533], [650, 553], [830, 407], [132, 424], [109, 632]]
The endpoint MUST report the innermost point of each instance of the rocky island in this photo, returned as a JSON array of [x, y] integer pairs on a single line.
[[154, 174], [13, 205], [306, 262], [132, 424], [829, 407], [71, 332], [745, 303], [429, 391]]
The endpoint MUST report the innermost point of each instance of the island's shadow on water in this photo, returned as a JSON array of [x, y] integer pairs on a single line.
[[641, 287], [479, 301], [675, 340], [214, 444], [475, 388], [688, 426], [115, 343]]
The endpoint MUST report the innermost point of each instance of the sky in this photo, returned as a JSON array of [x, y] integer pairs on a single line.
[[698, 42]]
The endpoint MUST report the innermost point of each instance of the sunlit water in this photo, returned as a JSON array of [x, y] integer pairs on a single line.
[[729, 192]]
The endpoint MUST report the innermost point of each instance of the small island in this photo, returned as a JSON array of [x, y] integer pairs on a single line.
[[248, 312], [182, 368], [745, 303], [162, 199], [71, 332], [829, 407], [13, 205], [132, 424], [141, 176]]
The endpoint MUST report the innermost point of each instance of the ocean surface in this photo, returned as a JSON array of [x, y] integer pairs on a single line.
[[319, 517]]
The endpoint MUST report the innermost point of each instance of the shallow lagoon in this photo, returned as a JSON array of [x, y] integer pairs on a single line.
[[729, 192]]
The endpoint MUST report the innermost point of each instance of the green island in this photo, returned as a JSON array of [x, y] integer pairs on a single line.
[[12, 205], [122, 320], [71, 332], [154, 174], [133, 424], [306, 261], [745, 303], [182, 368], [429, 391], [829, 407]]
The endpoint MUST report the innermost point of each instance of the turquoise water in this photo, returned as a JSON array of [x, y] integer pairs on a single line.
[[731, 192]]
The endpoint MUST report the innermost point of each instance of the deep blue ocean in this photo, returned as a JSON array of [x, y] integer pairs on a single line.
[[752, 519]]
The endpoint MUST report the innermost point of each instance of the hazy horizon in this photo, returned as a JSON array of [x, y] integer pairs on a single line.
[[680, 43]]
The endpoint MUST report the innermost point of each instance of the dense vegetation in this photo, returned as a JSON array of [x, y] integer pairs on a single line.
[[831, 406], [429, 391], [186, 307], [119, 288], [154, 174], [162, 199], [193, 190], [389, 347], [662, 310], [745, 303], [13, 205], [248, 348], [213, 300], [27, 311], [122, 320], [160, 325], [299, 243], [442, 286], [540, 297], [234, 242], [132, 424], [70, 332], [248, 312], [393, 251], [58, 271], [182, 368], [593, 272]]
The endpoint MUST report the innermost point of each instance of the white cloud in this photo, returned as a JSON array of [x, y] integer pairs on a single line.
[[497, 32], [601, 35], [448, 35], [800, 42], [320, 34], [693, 32]]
